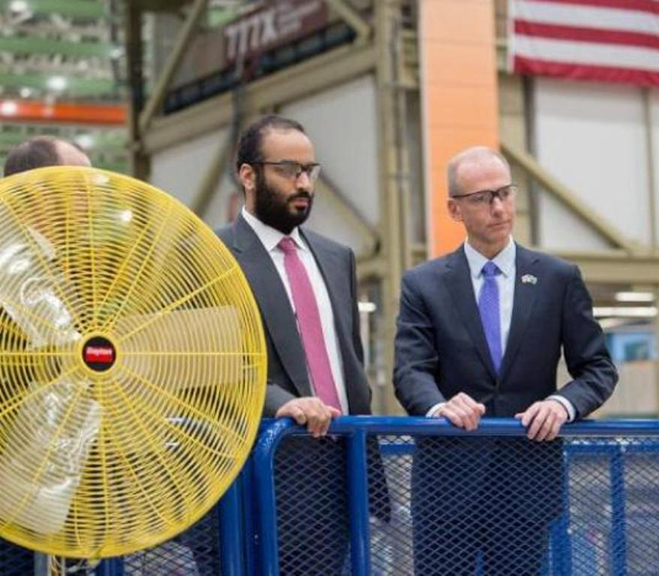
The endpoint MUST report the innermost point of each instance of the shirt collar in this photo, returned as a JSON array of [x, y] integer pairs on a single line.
[[505, 260], [269, 236]]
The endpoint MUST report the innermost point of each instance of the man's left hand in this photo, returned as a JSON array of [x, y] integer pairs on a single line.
[[543, 420]]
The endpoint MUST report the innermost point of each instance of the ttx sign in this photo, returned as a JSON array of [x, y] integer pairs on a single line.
[[275, 25]]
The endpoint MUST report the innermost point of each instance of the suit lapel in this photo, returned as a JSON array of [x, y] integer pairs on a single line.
[[461, 288], [273, 302], [523, 300]]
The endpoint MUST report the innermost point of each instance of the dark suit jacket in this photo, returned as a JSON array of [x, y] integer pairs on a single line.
[[287, 371], [464, 486], [441, 347]]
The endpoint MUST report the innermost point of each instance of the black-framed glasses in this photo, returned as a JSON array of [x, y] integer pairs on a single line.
[[486, 197], [293, 170]]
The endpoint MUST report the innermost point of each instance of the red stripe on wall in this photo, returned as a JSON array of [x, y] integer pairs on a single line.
[[32, 111], [586, 72], [650, 6], [580, 34]]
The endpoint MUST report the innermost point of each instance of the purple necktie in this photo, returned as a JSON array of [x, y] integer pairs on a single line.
[[311, 330], [488, 306]]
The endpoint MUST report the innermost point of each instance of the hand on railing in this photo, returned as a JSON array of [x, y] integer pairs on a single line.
[[543, 420], [311, 412], [461, 411]]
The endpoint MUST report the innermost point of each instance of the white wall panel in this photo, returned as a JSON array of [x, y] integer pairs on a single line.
[[342, 123], [180, 169], [326, 219], [560, 229], [226, 202], [592, 137]]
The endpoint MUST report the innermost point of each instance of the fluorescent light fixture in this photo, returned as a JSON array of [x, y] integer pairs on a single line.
[[17, 6], [625, 311], [85, 140], [8, 108], [57, 83], [611, 323], [367, 307], [634, 297]]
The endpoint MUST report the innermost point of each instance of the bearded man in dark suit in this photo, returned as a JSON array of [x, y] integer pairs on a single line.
[[306, 289]]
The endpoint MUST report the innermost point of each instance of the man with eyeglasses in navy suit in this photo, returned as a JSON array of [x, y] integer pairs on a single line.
[[480, 333]]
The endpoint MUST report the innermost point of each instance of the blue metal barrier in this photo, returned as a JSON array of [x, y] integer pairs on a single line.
[[613, 439], [607, 519]]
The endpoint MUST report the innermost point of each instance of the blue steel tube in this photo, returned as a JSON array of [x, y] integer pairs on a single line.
[[231, 530], [264, 458], [488, 427], [360, 533], [249, 516]]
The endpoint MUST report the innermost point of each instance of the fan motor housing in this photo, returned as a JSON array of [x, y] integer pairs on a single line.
[[99, 353]]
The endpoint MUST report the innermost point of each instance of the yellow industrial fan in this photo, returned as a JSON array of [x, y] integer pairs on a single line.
[[132, 364]]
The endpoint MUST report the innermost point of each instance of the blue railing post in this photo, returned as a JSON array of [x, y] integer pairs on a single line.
[[618, 528], [264, 463], [250, 520], [360, 533], [231, 531]]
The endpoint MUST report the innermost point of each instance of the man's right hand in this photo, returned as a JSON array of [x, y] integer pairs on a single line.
[[461, 411], [309, 411]]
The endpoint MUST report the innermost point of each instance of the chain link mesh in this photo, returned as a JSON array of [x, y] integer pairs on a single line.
[[312, 506], [195, 552], [509, 507], [14, 560]]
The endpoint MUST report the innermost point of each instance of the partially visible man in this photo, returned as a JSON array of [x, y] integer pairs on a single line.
[[38, 152], [306, 290], [480, 332], [42, 151]]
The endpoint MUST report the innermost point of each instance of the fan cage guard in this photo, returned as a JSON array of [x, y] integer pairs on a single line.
[[132, 364]]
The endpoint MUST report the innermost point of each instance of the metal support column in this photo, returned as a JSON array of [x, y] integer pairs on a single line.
[[139, 161], [394, 200]]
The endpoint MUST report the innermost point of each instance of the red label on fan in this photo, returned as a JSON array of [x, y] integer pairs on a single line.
[[100, 354]]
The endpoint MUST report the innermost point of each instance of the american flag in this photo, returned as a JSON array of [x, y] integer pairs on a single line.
[[603, 40]]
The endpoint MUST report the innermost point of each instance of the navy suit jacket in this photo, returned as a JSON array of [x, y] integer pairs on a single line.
[[441, 347], [288, 377]]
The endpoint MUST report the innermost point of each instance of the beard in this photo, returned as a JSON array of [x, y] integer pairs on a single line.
[[277, 211]]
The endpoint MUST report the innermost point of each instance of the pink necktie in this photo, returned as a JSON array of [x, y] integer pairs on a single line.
[[311, 330]]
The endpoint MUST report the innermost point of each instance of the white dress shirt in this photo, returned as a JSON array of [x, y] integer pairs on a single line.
[[270, 239], [505, 261]]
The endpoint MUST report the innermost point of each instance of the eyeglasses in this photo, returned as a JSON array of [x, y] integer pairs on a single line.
[[293, 170], [486, 197]]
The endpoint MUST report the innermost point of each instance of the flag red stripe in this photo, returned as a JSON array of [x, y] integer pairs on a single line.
[[633, 5], [580, 34], [585, 71]]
